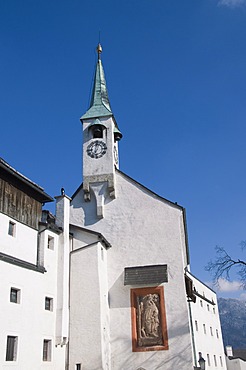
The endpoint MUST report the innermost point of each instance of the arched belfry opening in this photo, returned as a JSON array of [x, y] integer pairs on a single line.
[[97, 130]]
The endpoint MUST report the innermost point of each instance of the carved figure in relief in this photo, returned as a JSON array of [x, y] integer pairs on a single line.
[[150, 316]]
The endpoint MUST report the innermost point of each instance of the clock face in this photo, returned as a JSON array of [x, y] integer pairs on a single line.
[[96, 149]]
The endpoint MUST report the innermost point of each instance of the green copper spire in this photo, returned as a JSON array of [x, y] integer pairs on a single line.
[[99, 106]]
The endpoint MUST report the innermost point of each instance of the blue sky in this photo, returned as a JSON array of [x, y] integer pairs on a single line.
[[176, 78]]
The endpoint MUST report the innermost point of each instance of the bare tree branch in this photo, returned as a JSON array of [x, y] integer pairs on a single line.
[[223, 263]]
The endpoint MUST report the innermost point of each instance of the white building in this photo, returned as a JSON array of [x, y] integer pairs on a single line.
[[32, 331], [109, 276], [205, 326], [235, 359]]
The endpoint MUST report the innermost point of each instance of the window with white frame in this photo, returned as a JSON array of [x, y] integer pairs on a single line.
[[221, 362], [11, 348], [204, 329], [208, 359], [208, 308], [14, 295], [47, 350], [211, 331], [48, 304], [217, 333], [215, 361], [12, 228], [196, 325], [78, 366], [201, 304]]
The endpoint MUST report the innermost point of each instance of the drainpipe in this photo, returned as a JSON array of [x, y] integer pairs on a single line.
[[192, 335]]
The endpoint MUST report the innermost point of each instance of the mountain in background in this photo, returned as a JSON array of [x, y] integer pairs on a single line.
[[233, 322]]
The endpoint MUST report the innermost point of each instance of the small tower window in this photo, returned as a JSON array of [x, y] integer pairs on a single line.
[[48, 304], [47, 350], [50, 244], [97, 132], [11, 349], [11, 230], [15, 295]]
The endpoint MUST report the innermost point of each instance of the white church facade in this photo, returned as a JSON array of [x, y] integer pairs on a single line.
[[106, 283]]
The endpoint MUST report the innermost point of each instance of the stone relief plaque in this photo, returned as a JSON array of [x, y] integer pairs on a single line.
[[149, 332], [149, 320]]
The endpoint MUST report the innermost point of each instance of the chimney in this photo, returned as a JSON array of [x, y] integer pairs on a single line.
[[229, 351], [62, 220]]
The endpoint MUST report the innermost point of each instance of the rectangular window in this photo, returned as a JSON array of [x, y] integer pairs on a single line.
[[215, 361], [211, 331], [78, 367], [221, 362], [11, 349], [204, 329], [213, 310], [14, 295], [49, 304], [47, 350], [208, 307], [102, 254], [11, 230], [217, 333], [201, 304], [208, 359], [149, 325], [196, 325], [50, 244]]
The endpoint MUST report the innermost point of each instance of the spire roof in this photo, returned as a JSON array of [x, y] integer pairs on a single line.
[[99, 105]]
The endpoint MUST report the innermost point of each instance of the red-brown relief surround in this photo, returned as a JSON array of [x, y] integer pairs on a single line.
[[149, 325]]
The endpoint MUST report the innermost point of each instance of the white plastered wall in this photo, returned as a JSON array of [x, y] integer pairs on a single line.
[[143, 230], [23, 244], [28, 319], [89, 311], [236, 364]]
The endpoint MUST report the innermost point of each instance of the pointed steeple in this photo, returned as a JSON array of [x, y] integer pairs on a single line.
[[99, 105]]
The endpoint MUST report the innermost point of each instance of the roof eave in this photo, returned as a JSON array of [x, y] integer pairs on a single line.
[[16, 178], [95, 112]]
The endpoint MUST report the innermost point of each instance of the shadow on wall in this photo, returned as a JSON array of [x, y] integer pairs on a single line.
[[178, 338], [169, 361], [119, 294], [87, 210]]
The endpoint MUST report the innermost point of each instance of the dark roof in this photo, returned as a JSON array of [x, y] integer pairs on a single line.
[[150, 191], [171, 203], [239, 353], [22, 183], [201, 282], [138, 183], [99, 235]]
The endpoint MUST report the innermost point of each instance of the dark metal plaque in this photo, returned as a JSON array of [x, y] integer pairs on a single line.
[[144, 275]]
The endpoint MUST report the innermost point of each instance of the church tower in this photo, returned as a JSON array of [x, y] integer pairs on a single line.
[[100, 143]]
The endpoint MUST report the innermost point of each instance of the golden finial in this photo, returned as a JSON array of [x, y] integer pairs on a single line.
[[99, 50]]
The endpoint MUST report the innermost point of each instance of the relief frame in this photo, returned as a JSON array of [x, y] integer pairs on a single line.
[[149, 326]]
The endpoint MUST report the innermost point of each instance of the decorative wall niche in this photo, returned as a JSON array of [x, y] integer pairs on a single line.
[[149, 326]]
